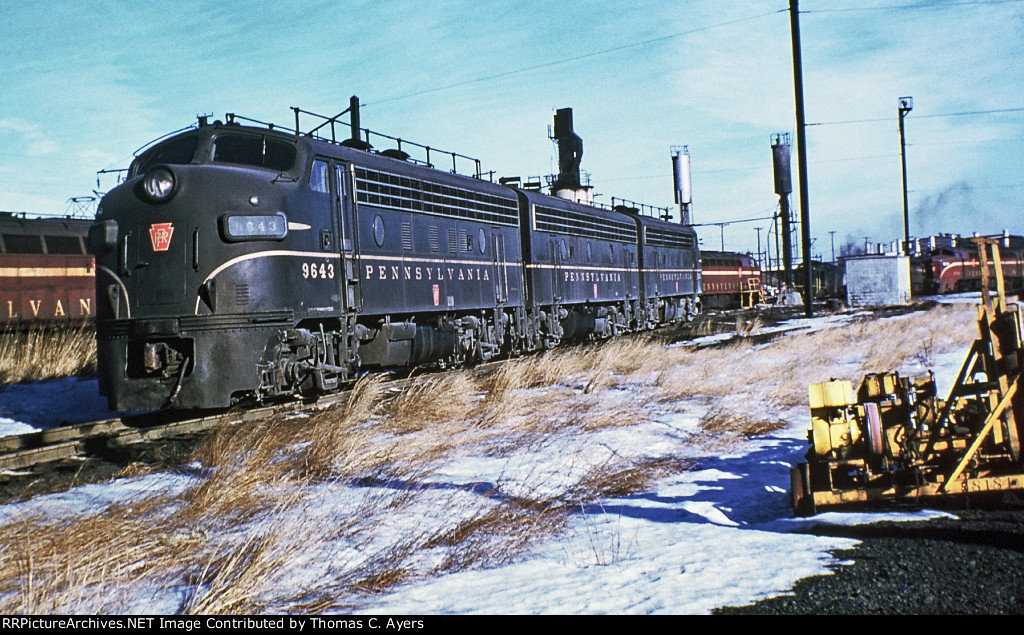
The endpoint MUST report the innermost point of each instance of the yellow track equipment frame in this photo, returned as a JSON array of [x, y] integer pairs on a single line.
[[895, 440]]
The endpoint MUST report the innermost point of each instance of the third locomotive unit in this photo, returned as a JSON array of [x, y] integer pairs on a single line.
[[240, 260]]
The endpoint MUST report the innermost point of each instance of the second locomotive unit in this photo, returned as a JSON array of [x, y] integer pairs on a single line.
[[247, 260]]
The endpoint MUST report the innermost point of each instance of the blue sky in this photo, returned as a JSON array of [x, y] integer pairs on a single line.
[[87, 83]]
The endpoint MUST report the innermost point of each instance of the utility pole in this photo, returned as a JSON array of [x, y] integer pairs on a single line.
[[801, 150], [835, 265], [778, 253], [758, 246], [906, 105]]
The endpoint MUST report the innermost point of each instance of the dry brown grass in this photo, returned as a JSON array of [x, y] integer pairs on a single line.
[[498, 535], [432, 401], [47, 354], [778, 375], [706, 325], [748, 325], [725, 426], [352, 492], [80, 564], [235, 573], [240, 462], [613, 479], [339, 441]]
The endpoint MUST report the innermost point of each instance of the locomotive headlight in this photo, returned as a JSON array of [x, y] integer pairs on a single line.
[[159, 184]]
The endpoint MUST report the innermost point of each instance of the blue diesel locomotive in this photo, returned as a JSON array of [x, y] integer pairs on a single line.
[[249, 260]]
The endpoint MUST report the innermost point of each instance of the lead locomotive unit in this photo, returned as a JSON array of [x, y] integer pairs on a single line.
[[240, 260]]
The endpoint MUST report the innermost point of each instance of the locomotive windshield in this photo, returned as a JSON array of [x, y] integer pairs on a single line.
[[259, 152], [175, 152]]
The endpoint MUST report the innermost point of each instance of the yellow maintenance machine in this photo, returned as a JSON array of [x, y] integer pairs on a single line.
[[896, 440]]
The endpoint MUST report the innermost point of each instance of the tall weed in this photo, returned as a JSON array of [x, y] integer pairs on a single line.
[[47, 354]]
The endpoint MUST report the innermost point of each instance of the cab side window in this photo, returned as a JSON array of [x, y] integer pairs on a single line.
[[318, 177]]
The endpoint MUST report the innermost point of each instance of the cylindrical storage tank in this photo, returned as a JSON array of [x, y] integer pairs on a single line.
[[681, 176], [780, 161]]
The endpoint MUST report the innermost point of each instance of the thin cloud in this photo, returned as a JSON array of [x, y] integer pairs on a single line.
[[484, 80]]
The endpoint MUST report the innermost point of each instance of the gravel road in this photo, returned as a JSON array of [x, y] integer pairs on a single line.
[[970, 564]]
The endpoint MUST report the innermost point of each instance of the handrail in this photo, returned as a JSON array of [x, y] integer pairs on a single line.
[[368, 134]]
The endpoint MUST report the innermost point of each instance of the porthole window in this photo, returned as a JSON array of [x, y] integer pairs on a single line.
[[378, 230], [481, 240], [590, 252]]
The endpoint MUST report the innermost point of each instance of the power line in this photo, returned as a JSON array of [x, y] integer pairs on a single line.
[[740, 220], [914, 7], [1008, 186], [866, 157], [947, 114], [749, 168], [968, 142], [567, 60], [971, 112]]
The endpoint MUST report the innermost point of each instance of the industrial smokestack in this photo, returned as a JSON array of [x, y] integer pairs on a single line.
[[681, 180], [570, 150]]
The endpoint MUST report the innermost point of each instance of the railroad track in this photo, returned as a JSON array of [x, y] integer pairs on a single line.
[[22, 455], [28, 454]]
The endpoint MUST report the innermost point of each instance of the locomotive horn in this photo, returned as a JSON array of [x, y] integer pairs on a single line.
[[353, 113]]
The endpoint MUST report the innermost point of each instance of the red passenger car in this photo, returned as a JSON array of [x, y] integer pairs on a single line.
[[46, 276]]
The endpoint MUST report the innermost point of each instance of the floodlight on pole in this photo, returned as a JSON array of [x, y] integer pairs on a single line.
[[906, 104]]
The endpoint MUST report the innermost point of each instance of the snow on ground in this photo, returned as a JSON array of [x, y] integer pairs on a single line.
[[804, 325], [46, 404], [721, 533]]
